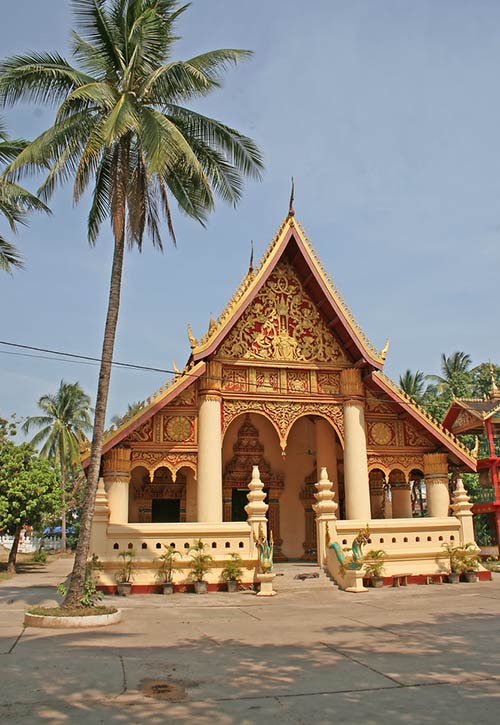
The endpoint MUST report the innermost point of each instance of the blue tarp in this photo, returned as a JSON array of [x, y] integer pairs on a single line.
[[57, 530]]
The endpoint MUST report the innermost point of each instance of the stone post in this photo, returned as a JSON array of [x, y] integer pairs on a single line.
[[436, 484], [462, 509], [357, 489], [99, 522], [325, 510], [401, 496], [326, 450], [210, 446], [116, 472], [256, 507]]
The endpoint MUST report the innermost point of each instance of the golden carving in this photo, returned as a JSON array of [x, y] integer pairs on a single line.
[[143, 434], [282, 324], [381, 434], [328, 383], [234, 380], [436, 465], [297, 381], [186, 398], [414, 437], [374, 404], [284, 414], [152, 460], [465, 420], [178, 428], [212, 380], [267, 381], [389, 463]]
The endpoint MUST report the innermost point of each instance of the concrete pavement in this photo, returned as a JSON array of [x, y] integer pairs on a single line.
[[312, 654]]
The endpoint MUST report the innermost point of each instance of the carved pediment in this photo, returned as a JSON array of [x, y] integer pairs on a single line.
[[282, 323]]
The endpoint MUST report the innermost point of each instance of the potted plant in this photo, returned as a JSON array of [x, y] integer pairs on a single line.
[[374, 566], [201, 563], [232, 572], [167, 565], [456, 562], [471, 562], [125, 575]]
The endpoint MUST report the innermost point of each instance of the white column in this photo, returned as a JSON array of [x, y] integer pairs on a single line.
[[357, 489], [436, 484], [401, 497], [210, 459], [116, 474], [324, 509]]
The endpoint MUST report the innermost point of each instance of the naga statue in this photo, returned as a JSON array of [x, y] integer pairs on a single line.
[[355, 561], [266, 549]]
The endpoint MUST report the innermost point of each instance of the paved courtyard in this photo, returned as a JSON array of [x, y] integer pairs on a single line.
[[312, 654]]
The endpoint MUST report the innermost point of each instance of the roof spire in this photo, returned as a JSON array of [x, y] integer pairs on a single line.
[[495, 392], [250, 266], [291, 211]]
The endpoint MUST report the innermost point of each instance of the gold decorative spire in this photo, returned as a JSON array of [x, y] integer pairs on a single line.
[[175, 368], [495, 392], [291, 211], [385, 350], [250, 266], [192, 339]]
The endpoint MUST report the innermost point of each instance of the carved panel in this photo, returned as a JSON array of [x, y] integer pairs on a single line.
[[375, 405], [297, 381], [267, 381], [153, 460], [144, 434], [178, 428], [283, 414], [381, 434], [187, 398], [235, 380], [282, 324], [328, 383], [465, 420], [413, 436], [388, 463]]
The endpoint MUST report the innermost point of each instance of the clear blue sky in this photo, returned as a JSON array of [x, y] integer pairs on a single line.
[[387, 113]]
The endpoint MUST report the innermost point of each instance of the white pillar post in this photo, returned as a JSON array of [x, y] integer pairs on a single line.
[[357, 489], [116, 473], [209, 459], [436, 484], [401, 498], [324, 509]]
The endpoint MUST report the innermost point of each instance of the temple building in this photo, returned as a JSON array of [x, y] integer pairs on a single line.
[[284, 380], [481, 416]]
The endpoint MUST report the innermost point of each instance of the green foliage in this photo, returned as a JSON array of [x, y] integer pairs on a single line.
[[373, 562], [413, 384], [29, 487], [232, 570], [15, 203], [40, 556], [167, 564], [462, 558], [90, 596], [126, 574], [201, 563]]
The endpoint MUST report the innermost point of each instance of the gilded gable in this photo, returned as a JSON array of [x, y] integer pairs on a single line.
[[282, 323]]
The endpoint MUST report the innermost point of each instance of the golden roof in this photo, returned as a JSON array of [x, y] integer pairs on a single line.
[[253, 280]]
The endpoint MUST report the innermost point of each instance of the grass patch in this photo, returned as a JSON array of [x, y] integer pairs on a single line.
[[71, 612]]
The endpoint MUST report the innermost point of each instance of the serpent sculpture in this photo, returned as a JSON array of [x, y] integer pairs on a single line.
[[356, 560]]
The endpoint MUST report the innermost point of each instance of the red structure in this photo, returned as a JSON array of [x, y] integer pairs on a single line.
[[473, 415]]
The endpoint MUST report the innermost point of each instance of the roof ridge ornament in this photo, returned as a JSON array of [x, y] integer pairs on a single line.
[[495, 392], [291, 210]]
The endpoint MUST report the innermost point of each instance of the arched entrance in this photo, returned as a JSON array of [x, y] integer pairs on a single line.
[[157, 498]]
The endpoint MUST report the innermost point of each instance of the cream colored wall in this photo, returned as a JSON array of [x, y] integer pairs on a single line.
[[136, 476]]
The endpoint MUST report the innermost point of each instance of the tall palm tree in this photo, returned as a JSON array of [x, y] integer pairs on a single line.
[[456, 374], [63, 427], [15, 202], [121, 126], [413, 384]]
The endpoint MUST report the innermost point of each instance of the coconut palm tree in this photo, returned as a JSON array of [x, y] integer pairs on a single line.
[[456, 375], [413, 384], [63, 427], [15, 202], [122, 126]]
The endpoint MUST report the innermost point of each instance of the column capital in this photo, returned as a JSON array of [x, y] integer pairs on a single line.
[[351, 384], [211, 381], [116, 462], [435, 465]]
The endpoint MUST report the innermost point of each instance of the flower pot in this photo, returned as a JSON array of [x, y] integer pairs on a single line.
[[232, 585], [200, 587], [123, 589], [168, 587], [453, 577], [377, 581], [470, 576]]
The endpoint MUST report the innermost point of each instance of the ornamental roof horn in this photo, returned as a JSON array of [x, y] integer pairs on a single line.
[[291, 210]]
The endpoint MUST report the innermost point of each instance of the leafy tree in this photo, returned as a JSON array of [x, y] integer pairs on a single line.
[[455, 379], [62, 430], [482, 379], [131, 410], [29, 492], [15, 202], [121, 126], [413, 384]]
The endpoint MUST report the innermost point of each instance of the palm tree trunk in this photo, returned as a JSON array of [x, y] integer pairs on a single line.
[[11, 564], [75, 590], [63, 497]]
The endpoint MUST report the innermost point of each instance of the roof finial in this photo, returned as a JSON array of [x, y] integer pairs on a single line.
[[495, 392], [291, 211], [250, 266]]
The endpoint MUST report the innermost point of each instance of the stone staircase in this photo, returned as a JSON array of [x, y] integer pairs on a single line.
[[295, 576]]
